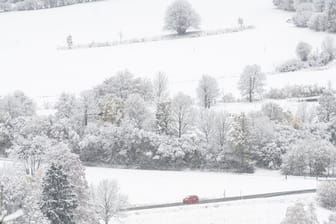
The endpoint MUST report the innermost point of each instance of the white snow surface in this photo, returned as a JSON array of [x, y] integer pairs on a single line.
[[257, 211], [145, 187], [31, 62]]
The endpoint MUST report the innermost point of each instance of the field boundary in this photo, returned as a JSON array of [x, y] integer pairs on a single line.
[[226, 199], [194, 34]]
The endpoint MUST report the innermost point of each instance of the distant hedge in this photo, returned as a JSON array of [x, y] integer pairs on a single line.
[[17, 5]]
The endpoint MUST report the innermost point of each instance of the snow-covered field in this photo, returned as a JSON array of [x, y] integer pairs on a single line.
[[155, 187], [49, 71], [258, 211]]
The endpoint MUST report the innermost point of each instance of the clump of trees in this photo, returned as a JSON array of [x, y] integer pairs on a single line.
[[318, 15], [21, 5], [308, 58], [180, 17]]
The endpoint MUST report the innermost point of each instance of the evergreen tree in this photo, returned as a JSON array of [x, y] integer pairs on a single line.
[[163, 118], [58, 198], [238, 137]]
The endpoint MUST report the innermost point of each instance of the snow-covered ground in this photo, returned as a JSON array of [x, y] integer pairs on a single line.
[[155, 187], [30, 61], [258, 211]]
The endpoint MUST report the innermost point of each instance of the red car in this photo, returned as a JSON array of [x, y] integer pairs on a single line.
[[192, 199]]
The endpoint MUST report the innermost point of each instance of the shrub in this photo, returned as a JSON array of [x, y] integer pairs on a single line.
[[303, 50], [290, 66], [318, 22], [326, 194], [319, 59], [180, 16]]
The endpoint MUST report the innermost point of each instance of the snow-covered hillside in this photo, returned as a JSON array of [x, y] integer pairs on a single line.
[[30, 61]]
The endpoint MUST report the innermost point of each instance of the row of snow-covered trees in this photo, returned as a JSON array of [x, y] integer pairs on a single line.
[[318, 15], [19, 5], [132, 122]]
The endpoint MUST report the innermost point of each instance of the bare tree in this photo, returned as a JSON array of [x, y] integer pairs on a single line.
[[182, 113], [207, 91], [160, 84], [206, 124], [251, 82], [108, 199]]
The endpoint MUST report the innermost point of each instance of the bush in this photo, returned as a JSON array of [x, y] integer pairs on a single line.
[[319, 59], [290, 66], [180, 16], [303, 50], [318, 22], [326, 194]]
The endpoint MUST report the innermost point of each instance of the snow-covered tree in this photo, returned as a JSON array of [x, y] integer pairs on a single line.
[[308, 157], [303, 50], [58, 197], [318, 22], [273, 111], [112, 109], [221, 127], [251, 82], [330, 10], [207, 91], [137, 112], [69, 41], [163, 118], [331, 219], [303, 13], [180, 16], [160, 84], [31, 152], [182, 113], [319, 5], [108, 200], [21, 192], [327, 107], [328, 46], [72, 167], [238, 138], [326, 194], [287, 5], [17, 104], [206, 124], [123, 84], [66, 106], [298, 214]]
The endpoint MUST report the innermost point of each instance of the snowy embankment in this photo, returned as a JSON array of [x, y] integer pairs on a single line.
[[145, 187], [257, 211]]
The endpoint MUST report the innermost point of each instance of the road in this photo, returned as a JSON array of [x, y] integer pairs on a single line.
[[226, 199]]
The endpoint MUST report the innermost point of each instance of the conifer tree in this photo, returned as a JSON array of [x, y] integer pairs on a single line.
[[58, 198]]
